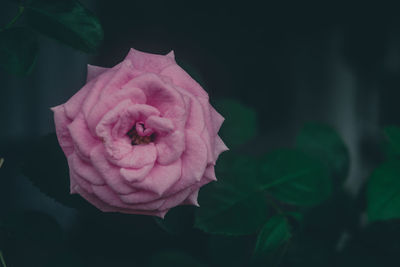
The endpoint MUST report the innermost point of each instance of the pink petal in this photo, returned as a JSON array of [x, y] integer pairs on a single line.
[[194, 162], [192, 199], [170, 147], [109, 172], [61, 122], [182, 79], [160, 178], [136, 175], [219, 147], [158, 93], [135, 95], [149, 62], [94, 71], [140, 156], [84, 170], [82, 137], [159, 124], [217, 120]]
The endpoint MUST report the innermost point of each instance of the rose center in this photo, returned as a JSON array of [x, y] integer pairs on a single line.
[[140, 135]]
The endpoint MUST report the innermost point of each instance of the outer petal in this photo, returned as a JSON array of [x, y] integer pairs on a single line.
[[194, 162], [160, 178], [182, 79], [149, 62], [82, 137], [94, 71], [109, 172], [64, 138]]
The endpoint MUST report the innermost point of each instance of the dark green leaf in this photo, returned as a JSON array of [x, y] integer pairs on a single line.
[[240, 123], [383, 192], [323, 142], [392, 133], [178, 220], [67, 21], [174, 258], [46, 166], [225, 209], [272, 241], [224, 204], [295, 178], [18, 50]]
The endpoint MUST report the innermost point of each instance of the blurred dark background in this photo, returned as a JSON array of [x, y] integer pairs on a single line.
[[291, 62]]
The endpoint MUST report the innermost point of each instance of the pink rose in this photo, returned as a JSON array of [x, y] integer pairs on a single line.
[[140, 137]]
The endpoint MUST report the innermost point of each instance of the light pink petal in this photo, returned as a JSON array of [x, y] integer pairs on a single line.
[[219, 147], [171, 54], [176, 199], [195, 119], [217, 120], [109, 172], [61, 122], [159, 124], [80, 181], [135, 95], [140, 156], [192, 198], [94, 71], [160, 178], [159, 94], [149, 62], [194, 162], [136, 175], [74, 104], [105, 194], [82, 137], [182, 79], [84, 170], [210, 173], [170, 147], [140, 196]]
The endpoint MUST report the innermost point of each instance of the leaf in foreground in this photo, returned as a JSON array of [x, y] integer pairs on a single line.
[[295, 178], [67, 21], [18, 50], [272, 241], [383, 192], [324, 143]]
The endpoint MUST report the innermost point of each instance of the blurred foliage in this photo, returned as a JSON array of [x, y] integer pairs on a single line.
[[67, 21]]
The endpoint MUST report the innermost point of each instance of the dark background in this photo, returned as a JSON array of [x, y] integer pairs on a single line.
[[291, 62]]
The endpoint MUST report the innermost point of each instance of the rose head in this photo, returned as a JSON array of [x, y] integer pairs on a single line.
[[140, 137]]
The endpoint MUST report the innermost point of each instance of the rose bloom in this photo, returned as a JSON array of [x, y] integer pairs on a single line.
[[140, 137]]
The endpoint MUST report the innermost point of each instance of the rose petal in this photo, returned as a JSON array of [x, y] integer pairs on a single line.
[[109, 172], [149, 62], [194, 162], [136, 175], [219, 147], [135, 95], [170, 147], [94, 71], [160, 178], [64, 138], [84, 170], [81, 136], [140, 156], [159, 124], [182, 79], [217, 120]]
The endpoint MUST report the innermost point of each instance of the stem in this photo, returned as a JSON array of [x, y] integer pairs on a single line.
[[3, 263], [12, 22]]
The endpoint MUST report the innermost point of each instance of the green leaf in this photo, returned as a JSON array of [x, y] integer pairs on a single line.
[[178, 220], [392, 133], [383, 192], [46, 166], [295, 178], [224, 204], [324, 143], [272, 241], [240, 123], [18, 50], [67, 21], [174, 258]]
